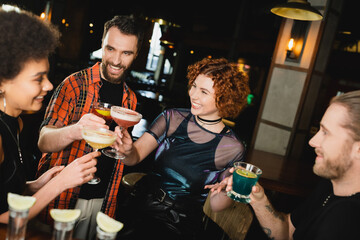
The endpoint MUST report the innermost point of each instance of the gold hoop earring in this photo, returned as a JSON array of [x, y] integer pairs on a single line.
[[4, 104], [4, 100]]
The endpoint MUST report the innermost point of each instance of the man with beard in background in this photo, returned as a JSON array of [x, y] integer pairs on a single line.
[[69, 111], [332, 210]]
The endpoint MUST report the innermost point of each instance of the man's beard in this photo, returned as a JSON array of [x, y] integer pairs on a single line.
[[111, 79], [335, 169]]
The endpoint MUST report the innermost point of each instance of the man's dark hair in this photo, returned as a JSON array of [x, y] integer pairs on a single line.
[[23, 37], [128, 25]]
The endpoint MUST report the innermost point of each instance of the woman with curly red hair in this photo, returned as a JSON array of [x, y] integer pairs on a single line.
[[194, 148], [231, 87]]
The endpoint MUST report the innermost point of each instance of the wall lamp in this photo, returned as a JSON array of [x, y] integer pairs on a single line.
[[298, 10], [296, 43]]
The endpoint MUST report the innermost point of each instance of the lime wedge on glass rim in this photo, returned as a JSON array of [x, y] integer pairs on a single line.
[[246, 173], [103, 112], [20, 202], [65, 215], [108, 224]]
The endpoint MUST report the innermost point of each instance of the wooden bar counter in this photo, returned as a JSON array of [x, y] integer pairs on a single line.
[[31, 234]]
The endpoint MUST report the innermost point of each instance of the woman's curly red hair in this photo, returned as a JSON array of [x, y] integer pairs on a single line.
[[230, 85]]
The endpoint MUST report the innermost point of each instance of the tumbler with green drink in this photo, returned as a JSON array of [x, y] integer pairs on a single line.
[[245, 176]]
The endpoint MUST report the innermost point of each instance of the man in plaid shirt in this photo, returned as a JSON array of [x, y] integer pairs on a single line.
[[70, 109]]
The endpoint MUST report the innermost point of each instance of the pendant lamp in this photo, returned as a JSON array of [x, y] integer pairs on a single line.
[[297, 9]]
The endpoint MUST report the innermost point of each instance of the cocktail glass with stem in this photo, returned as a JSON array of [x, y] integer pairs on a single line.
[[98, 138], [125, 118], [102, 109]]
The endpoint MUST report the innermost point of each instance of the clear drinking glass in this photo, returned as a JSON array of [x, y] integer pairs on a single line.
[[102, 235], [16, 228], [63, 230], [102, 110], [98, 138], [125, 118], [245, 176]]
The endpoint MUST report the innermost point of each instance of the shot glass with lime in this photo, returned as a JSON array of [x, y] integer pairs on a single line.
[[64, 222], [19, 206], [107, 227], [245, 176]]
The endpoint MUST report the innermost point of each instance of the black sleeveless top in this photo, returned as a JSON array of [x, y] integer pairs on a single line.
[[190, 157], [12, 171]]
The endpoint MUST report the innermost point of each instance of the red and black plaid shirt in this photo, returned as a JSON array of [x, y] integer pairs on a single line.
[[71, 100]]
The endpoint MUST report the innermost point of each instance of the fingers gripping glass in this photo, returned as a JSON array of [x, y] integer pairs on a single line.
[[125, 118], [245, 176], [98, 138]]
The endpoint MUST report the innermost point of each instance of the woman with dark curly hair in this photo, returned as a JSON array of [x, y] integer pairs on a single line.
[[25, 45], [194, 148]]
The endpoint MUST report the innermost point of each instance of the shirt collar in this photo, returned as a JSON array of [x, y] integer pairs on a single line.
[[95, 73]]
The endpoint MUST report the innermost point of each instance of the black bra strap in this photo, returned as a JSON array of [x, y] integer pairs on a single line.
[[224, 130]]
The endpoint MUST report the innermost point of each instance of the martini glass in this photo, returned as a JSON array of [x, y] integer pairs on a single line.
[[125, 118], [102, 110], [98, 138]]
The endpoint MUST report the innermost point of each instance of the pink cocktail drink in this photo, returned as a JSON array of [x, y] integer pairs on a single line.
[[125, 117]]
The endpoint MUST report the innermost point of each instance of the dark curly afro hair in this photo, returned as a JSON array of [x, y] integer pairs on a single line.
[[23, 37], [231, 86]]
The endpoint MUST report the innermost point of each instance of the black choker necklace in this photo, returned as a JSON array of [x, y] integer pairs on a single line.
[[209, 122]]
